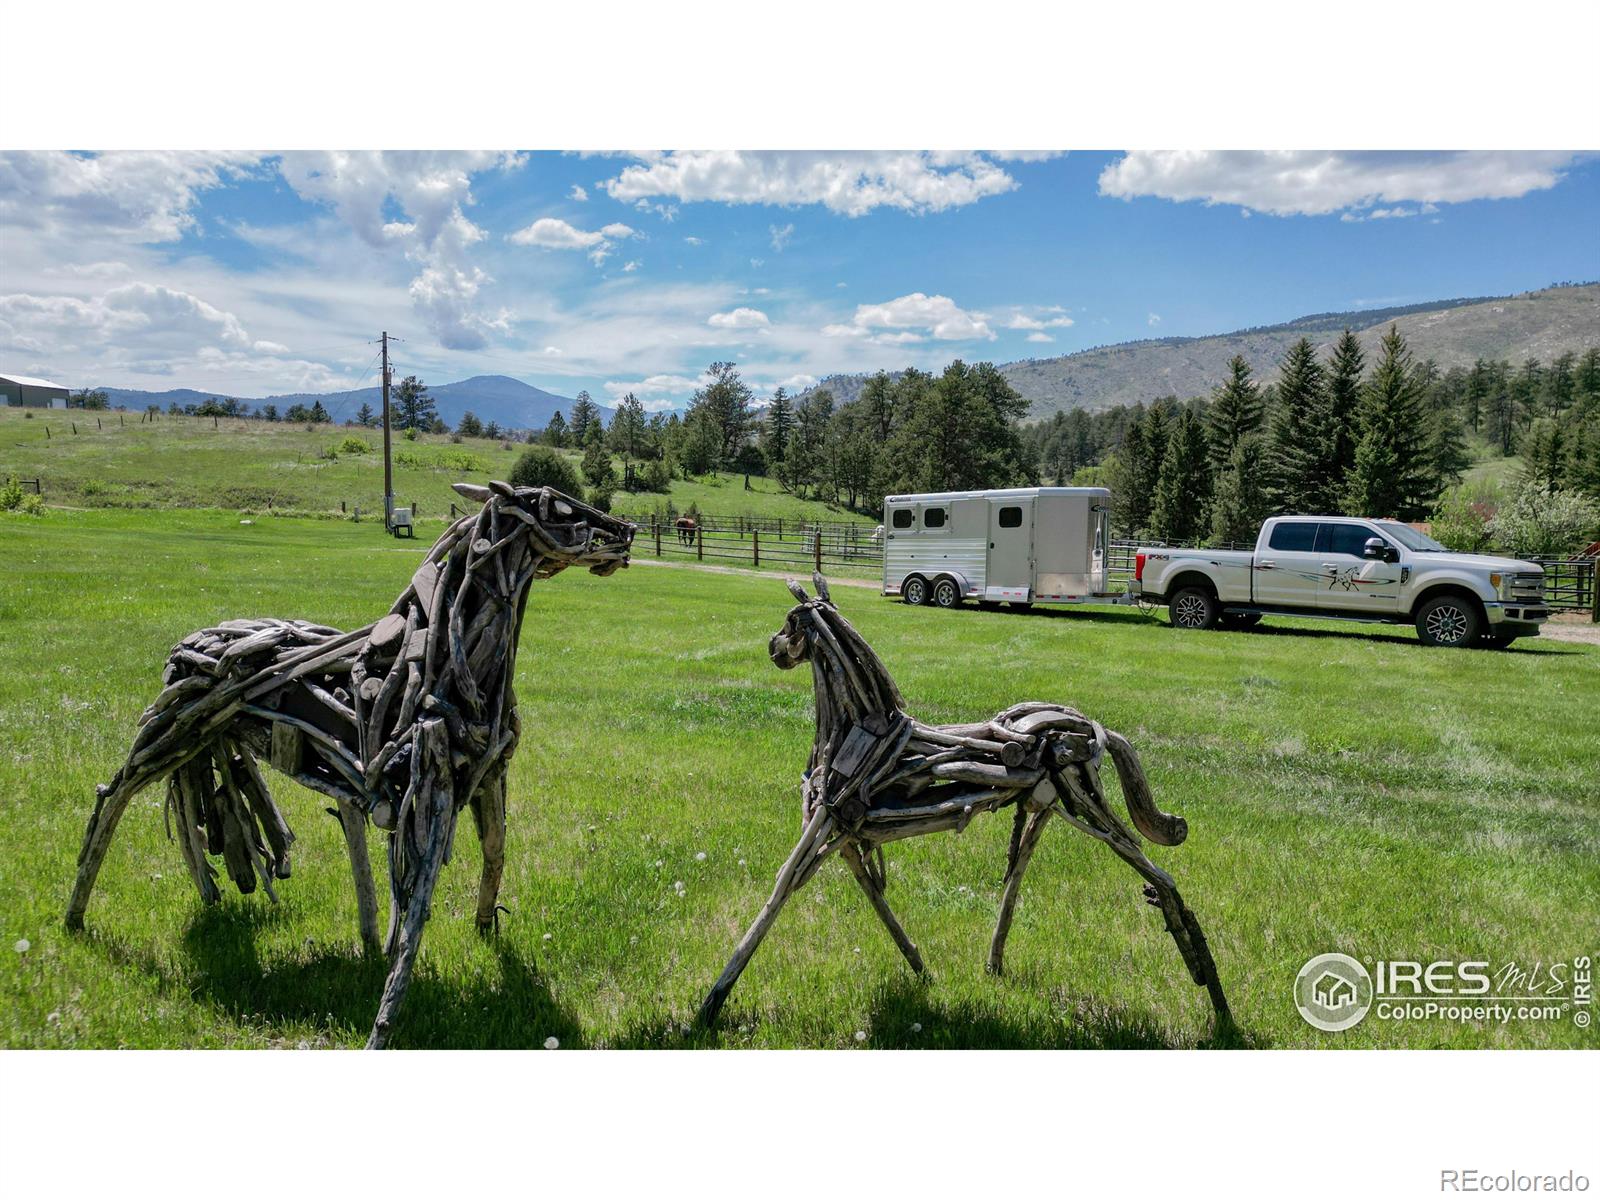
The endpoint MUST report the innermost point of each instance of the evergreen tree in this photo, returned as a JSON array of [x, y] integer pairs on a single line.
[[585, 412], [1300, 460], [365, 417], [492, 431], [1235, 412], [470, 426], [555, 433], [319, 415], [1240, 503], [724, 401], [1343, 382], [269, 412], [780, 420], [412, 406], [597, 467], [628, 429], [1544, 454], [1393, 474], [1180, 513]]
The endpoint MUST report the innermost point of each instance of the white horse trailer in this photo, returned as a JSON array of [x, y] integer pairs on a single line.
[[1040, 545]]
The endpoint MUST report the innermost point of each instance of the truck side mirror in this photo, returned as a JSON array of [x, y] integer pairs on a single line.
[[1379, 549]]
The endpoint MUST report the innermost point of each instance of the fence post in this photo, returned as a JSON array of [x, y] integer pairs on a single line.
[[700, 542], [1594, 591], [655, 528], [755, 547], [816, 544]]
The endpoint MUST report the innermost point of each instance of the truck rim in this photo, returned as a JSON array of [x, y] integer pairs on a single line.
[[1191, 612], [1447, 624]]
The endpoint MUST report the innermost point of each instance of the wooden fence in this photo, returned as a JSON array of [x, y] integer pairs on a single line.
[[832, 547]]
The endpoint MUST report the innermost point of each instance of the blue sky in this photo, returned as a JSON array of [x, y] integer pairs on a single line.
[[254, 274]]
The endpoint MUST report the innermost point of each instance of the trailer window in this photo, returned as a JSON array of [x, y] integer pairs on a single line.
[[1294, 535], [933, 518], [1010, 517], [900, 518]]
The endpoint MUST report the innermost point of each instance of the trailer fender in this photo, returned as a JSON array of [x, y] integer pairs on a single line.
[[960, 580]]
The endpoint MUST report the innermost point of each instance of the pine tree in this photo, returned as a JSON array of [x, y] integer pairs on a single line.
[[628, 429], [597, 467], [469, 425], [319, 415], [780, 420], [1183, 491], [1235, 413], [1393, 475], [725, 402], [585, 412], [555, 433], [365, 417], [1343, 379], [1544, 454], [1240, 503], [413, 407], [1301, 468]]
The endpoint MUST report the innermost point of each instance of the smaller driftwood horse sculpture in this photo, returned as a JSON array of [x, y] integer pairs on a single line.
[[878, 775], [403, 722]]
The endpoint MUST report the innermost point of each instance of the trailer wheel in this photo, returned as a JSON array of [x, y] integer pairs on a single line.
[[1193, 608], [946, 594], [914, 590]]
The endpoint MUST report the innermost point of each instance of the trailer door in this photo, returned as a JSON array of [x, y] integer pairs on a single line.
[[1010, 573]]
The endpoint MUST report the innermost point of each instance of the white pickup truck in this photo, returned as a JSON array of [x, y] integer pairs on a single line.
[[1347, 568]]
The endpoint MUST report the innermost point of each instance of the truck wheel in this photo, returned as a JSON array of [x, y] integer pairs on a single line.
[[914, 590], [1240, 620], [1447, 621], [946, 594], [1193, 608]]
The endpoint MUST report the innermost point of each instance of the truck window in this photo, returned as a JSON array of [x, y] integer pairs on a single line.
[[901, 518], [1294, 535], [933, 518], [1010, 517], [1343, 539]]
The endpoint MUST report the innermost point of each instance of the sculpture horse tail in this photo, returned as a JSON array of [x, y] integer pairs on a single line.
[[1162, 828]]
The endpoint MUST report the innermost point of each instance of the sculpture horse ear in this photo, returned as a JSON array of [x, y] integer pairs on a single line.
[[473, 492], [795, 590], [821, 584]]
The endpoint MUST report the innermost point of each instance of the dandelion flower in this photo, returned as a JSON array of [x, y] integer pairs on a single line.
[[916, 1027], [552, 1043], [23, 946], [701, 857], [549, 936], [861, 1035]]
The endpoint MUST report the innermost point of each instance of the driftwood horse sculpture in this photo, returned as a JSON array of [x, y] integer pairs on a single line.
[[403, 722], [878, 775]]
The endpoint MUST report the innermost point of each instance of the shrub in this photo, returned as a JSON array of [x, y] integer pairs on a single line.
[[544, 466], [33, 504], [355, 445], [410, 434], [656, 476], [600, 497], [1537, 522], [1462, 517], [10, 496]]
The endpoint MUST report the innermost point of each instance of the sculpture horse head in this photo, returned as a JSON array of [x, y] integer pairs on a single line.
[[562, 531]]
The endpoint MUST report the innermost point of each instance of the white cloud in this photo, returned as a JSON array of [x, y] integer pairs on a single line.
[[1153, 319], [552, 233], [136, 316], [911, 319], [852, 182], [1021, 320], [781, 235], [139, 196], [1040, 337], [739, 318], [578, 193], [431, 191], [694, 241], [1318, 182], [657, 393], [632, 265]]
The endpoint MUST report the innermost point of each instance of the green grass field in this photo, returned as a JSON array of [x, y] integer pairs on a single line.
[[1346, 790], [257, 465]]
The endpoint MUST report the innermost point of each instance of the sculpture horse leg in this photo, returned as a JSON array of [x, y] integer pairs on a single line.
[[354, 823], [1083, 803], [803, 860], [489, 813], [418, 850], [1025, 835], [872, 885]]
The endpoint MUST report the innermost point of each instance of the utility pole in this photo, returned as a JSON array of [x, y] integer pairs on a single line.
[[388, 465]]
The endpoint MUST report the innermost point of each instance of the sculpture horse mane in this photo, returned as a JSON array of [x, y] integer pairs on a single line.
[[403, 721], [878, 775]]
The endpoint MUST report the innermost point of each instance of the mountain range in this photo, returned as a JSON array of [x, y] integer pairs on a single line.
[[508, 402], [1454, 333]]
